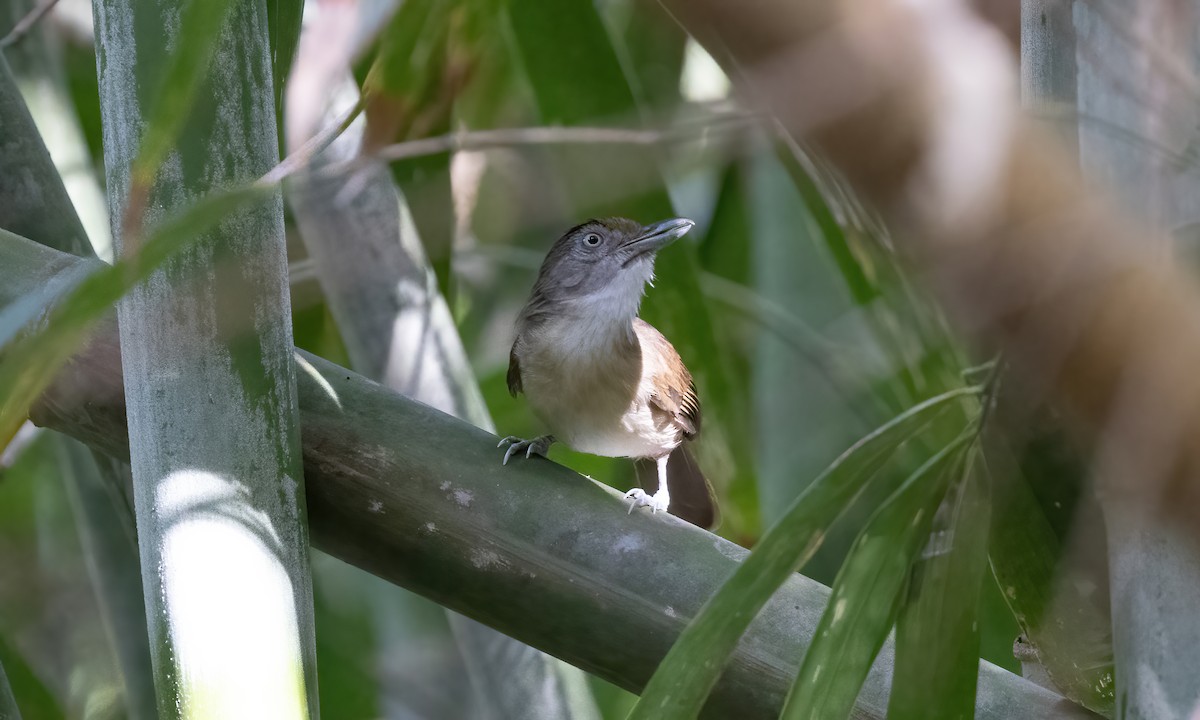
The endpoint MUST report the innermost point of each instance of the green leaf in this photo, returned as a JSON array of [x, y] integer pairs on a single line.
[[284, 18], [655, 46], [425, 59], [21, 313], [805, 173], [725, 255], [725, 251], [409, 43], [866, 594], [1066, 623], [28, 364], [44, 573], [937, 634], [905, 325], [686, 675], [560, 48], [37, 701]]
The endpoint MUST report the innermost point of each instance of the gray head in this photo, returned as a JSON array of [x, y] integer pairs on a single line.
[[602, 265]]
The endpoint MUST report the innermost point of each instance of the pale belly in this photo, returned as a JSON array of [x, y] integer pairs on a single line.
[[601, 416]]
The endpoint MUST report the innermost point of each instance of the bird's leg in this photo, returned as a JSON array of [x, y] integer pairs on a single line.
[[660, 500], [537, 446]]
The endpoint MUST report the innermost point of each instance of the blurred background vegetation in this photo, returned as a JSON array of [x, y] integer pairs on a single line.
[[502, 123]]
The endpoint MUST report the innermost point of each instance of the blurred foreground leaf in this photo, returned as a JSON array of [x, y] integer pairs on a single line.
[[36, 699], [1065, 621], [687, 674], [284, 19], [937, 634], [866, 594]]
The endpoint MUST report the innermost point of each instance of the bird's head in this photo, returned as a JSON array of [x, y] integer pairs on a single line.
[[603, 265]]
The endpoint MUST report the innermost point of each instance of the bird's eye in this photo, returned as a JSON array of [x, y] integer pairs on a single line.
[[591, 239]]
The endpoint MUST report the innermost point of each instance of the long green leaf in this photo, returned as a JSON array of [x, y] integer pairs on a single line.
[[937, 634], [1066, 623], [866, 593], [36, 699], [284, 18], [403, 83], [21, 313], [655, 46], [425, 60], [804, 174], [725, 255], [27, 366], [682, 682]]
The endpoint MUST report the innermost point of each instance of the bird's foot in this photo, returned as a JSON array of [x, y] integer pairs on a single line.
[[657, 501], [537, 446]]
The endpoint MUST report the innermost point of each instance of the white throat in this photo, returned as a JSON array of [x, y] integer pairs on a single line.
[[584, 327], [608, 315]]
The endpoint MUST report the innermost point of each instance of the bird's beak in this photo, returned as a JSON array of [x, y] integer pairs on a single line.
[[656, 237]]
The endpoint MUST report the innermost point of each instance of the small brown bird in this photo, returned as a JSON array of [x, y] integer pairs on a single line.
[[603, 380]]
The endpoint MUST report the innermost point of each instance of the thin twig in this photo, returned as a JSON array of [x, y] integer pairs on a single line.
[[507, 137], [315, 145], [25, 24], [514, 137]]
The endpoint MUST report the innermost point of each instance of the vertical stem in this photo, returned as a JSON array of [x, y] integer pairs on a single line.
[[1132, 98], [37, 65], [210, 384], [109, 542], [1048, 70], [30, 204]]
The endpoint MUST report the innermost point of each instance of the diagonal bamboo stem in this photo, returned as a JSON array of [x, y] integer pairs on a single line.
[[531, 549]]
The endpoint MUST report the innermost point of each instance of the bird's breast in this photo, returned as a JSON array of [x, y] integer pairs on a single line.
[[591, 396]]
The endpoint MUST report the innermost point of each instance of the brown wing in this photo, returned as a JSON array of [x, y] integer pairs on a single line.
[[673, 391], [514, 372]]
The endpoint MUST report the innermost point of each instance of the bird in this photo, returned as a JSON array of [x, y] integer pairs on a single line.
[[601, 379]]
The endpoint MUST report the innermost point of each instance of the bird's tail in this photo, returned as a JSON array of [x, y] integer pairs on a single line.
[[692, 497]]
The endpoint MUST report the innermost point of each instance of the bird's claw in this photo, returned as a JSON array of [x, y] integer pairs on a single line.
[[641, 498], [536, 446]]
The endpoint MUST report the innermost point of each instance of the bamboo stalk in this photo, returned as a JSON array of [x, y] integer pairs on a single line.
[[218, 477], [1127, 76]]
